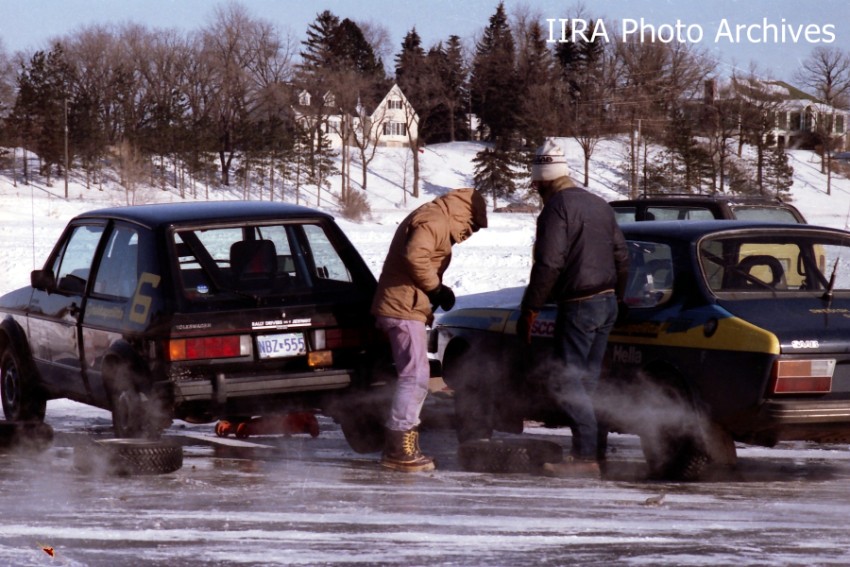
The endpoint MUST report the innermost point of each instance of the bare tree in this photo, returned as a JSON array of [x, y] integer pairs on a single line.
[[721, 112], [238, 48], [827, 71], [366, 136], [759, 106]]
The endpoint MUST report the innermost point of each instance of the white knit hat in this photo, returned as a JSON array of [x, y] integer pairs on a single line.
[[549, 162]]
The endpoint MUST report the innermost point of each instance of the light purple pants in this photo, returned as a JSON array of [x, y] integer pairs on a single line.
[[409, 344]]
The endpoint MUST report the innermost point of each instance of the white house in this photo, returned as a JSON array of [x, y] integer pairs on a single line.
[[799, 115], [393, 122]]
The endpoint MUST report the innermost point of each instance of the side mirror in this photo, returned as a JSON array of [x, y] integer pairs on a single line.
[[43, 280]]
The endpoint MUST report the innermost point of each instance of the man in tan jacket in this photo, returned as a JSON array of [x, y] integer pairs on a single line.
[[409, 290]]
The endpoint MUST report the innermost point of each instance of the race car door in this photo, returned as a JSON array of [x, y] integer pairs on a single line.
[[56, 311]]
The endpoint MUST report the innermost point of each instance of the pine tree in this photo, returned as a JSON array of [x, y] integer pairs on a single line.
[[494, 81], [542, 106], [456, 87], [39, 112], [409, 62], [494, 173], [779, 171], [318, 51]]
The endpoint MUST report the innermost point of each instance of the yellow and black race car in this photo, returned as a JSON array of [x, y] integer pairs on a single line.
[[735, 331]]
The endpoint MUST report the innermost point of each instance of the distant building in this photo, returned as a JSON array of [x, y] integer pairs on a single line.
[[798, 116], [393, 122]]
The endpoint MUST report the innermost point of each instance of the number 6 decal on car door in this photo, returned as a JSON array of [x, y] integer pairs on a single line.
[[140, 310]]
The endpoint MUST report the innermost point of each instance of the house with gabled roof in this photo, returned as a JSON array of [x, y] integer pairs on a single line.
[[393, 122], [798, 116]]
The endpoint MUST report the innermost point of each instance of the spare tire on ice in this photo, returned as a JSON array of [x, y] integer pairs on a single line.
[[508, 455], [128, 457], [26, 435]]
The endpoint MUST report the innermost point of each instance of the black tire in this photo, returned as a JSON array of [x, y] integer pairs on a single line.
[[675, 448], [26, 435], [365, 433], [127, 457], [674, 457], [22, 400], [473, 400], [134, 415], [508, 455]]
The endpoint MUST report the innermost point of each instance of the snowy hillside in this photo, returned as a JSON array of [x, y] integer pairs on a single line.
[[32, 217]]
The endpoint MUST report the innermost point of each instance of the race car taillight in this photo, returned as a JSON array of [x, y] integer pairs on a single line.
[[803, 376], [338, 338], [225, 346]]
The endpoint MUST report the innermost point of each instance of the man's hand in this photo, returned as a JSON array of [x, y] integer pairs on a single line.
[[524, 325], [441, 296]]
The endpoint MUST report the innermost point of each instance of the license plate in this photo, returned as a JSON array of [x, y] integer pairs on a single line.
[[281, 345]]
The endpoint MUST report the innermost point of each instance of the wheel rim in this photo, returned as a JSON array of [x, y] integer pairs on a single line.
[[11, 394], [124, 415]]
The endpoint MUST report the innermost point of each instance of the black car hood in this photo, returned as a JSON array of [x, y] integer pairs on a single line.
[[802, 324]]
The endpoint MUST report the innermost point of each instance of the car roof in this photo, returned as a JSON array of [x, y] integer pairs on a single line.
[[697, 198], [164, 214], [693, 230]]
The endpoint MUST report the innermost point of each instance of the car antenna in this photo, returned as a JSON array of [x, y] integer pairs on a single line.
[[827, 295]]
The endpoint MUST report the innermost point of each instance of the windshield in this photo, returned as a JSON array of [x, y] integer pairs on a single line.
[[776, 262], [263, 260]]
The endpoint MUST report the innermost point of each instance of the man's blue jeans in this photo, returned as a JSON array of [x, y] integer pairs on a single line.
[[581, 336]]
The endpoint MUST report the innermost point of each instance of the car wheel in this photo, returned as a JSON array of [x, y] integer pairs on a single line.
[[26, 435], [508, 455], [674, 457], [127, 414], [674, 446], [128, 457], [473, 400], [364, 433], [21, 398], [134, 415]]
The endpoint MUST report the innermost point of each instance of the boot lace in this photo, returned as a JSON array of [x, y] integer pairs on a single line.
[[409, 443]]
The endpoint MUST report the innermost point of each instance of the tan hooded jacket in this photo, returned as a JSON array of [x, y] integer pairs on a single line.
[[421, 251]]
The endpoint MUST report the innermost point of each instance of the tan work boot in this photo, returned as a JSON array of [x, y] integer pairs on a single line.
[[401, 452], [571, 467]]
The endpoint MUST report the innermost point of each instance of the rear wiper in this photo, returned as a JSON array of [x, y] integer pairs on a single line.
[[827, 295]]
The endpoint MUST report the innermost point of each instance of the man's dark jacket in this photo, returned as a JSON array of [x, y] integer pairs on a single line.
[[579, 251]]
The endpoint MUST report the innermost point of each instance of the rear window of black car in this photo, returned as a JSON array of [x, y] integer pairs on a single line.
[[775, 262], [262, 260]]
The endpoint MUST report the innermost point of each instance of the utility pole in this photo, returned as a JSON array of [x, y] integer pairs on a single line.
[[66, 149]]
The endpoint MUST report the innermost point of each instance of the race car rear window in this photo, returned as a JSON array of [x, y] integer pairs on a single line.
[[775, 263], [259, 261]]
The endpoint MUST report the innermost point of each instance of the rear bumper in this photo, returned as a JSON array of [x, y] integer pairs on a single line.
[[223, 387], [807, 412]]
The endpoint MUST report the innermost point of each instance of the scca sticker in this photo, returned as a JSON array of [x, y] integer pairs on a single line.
[[543, 328]]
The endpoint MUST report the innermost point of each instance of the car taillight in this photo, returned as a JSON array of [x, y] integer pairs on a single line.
[[339, 338], [226, 346], [803, 376]]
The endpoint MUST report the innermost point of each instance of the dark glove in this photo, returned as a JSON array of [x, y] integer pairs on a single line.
[[524, 325], [442, 296], [622, 313]]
